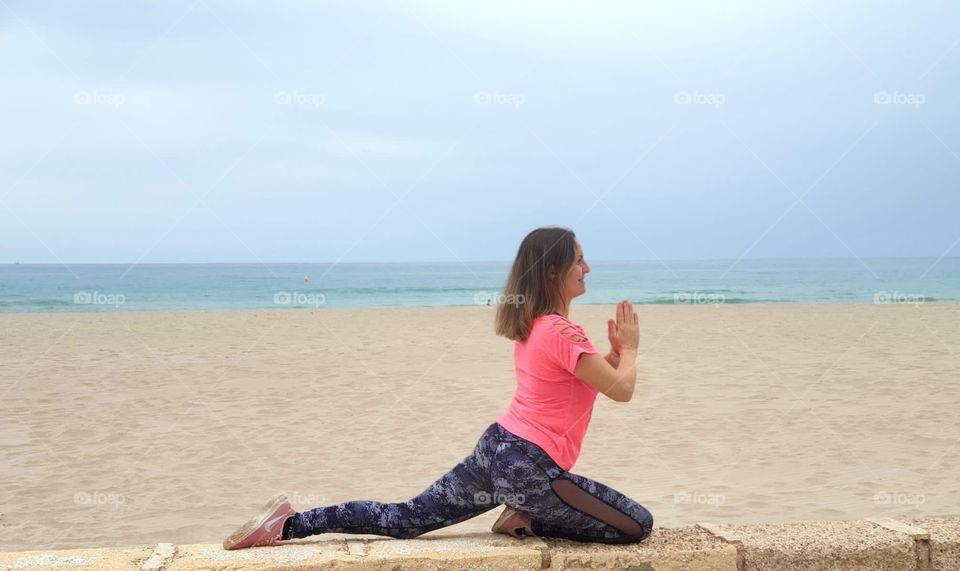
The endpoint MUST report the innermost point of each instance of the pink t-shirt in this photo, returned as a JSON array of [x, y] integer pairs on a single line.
[[551, 406]]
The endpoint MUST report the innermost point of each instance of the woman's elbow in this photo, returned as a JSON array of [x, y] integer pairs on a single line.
[[622, 395]]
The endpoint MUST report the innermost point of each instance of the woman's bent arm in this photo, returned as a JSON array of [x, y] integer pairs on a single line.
[[616, 383]]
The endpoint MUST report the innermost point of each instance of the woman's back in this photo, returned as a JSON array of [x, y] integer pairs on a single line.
[[551, 406]]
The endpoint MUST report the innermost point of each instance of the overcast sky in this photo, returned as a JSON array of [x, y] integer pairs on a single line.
[[443, 131]]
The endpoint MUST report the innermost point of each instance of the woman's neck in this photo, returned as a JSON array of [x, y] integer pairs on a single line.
[[564, 311]]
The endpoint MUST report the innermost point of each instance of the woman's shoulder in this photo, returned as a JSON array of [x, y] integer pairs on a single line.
[[563, 326]]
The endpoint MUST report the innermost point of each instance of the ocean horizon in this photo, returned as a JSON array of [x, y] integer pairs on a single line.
[[41, 288]]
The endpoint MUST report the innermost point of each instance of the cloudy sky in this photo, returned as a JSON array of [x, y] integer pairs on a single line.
[[205, 130]]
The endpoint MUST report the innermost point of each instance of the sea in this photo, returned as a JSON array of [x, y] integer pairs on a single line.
[[39, 288]]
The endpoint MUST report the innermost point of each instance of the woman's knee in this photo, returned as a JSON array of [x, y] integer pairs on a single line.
[[644, 519], [643, 528]]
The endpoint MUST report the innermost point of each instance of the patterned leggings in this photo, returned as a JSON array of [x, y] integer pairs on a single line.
[[502, 469]]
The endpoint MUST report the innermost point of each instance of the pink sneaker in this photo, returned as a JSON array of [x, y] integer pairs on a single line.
[[512, 523], [264, 529]]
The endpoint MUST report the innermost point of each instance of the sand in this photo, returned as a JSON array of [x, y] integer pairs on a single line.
[[133, 428]]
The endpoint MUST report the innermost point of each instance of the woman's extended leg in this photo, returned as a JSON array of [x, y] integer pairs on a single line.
[[563, 504], [462, 493]]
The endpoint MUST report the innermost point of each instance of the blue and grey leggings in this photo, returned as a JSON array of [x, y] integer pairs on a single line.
[[502, 469]]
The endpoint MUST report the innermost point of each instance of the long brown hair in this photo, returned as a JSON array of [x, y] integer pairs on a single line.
[[529, 292]]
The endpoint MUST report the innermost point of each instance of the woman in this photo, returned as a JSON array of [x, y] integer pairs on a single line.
[[523, 459]]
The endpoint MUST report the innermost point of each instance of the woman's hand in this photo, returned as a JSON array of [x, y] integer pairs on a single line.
[[624, 332], [612, 336]]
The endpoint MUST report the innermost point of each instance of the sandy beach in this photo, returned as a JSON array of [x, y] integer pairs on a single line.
[[131, 428]]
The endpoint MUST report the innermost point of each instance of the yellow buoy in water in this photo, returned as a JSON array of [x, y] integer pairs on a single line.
[[306, 279]]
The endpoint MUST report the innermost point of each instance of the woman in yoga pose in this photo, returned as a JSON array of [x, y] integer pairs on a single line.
[[522, 460]]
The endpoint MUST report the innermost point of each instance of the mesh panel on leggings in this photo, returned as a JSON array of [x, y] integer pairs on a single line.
[[582, 501]]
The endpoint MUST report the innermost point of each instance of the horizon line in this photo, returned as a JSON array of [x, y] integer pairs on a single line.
[[462, 262]]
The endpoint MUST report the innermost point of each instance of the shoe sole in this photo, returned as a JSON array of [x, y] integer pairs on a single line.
[[507, 514], [241, 535], [503, 517]]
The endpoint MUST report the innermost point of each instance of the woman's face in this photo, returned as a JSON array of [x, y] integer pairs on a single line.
[[573, 283]]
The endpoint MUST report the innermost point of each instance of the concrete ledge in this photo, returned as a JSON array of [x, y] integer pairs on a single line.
[[854, 545], [676, 549], [944, 541], [920, 537], [129, 558], [875, 544]]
